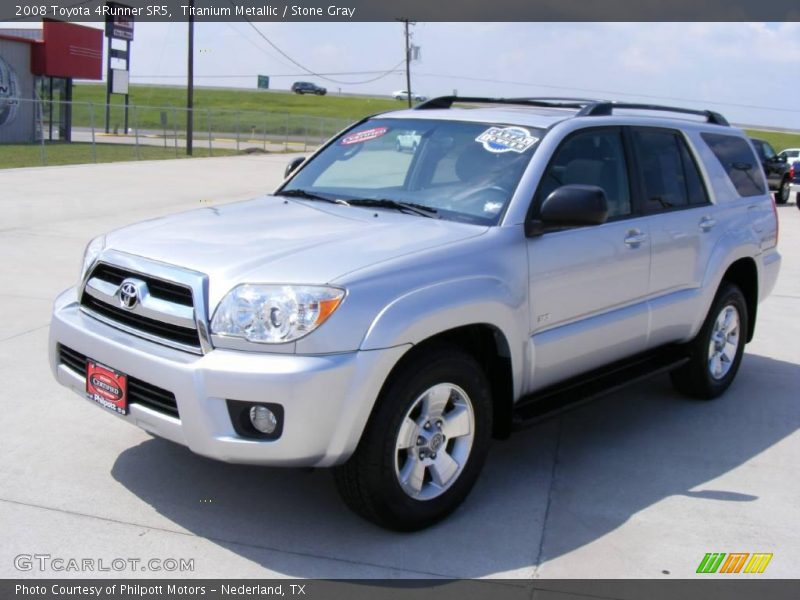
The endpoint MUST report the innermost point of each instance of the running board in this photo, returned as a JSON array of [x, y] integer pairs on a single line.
[[577, 391]]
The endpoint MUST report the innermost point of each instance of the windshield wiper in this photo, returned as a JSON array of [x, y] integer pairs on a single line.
[[310, 196], [418, 209]]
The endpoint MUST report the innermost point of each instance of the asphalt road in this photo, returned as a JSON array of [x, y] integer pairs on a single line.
[[641, 483]]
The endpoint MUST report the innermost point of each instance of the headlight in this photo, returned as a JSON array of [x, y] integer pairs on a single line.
[[93, 250], [274, 314]]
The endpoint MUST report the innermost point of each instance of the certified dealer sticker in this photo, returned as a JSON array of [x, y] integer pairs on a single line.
[[363, 136], [506, 139]]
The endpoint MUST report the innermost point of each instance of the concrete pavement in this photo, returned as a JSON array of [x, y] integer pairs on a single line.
[[641, 483]]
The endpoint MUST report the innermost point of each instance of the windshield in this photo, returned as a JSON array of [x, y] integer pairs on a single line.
[[465, 171]]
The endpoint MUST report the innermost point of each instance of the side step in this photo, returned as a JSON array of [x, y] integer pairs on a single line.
[[574, 392]]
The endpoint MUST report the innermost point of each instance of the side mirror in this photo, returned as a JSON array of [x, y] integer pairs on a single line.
[[572, 205], [292, 166]]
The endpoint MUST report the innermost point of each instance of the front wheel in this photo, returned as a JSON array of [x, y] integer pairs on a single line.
[[716, 352], [425, 443]]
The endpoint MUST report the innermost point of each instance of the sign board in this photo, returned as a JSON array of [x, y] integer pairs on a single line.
[[68, 50], [119, 25], [263, 82], [119, 81]]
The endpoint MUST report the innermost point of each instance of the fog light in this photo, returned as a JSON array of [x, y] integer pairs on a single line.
[[263, 419]]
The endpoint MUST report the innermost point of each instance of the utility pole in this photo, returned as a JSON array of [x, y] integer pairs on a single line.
[[190, 83], [406, 23]]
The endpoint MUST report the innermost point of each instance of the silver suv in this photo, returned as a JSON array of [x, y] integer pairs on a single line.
[[388, 312]]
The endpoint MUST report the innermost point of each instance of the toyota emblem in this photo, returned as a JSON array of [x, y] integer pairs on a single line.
[[128, 294]]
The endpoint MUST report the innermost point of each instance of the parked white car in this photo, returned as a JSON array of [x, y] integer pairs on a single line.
[[408, 141], [791, 155], [403, 95]]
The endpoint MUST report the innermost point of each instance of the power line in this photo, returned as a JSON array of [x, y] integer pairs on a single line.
[[229, 76], [309, 71], [256, 45], [611, 92], [485, 80]]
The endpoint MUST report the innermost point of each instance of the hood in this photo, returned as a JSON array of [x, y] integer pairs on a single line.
[[280, 240]]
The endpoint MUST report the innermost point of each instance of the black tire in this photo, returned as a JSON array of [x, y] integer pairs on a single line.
[[695, 378], [782, 195], [369, 482]]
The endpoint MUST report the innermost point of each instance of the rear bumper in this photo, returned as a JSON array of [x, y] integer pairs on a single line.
[[326, 399]]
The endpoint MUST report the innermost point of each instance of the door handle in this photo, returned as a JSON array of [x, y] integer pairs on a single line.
[[706, 223], [635, 238]]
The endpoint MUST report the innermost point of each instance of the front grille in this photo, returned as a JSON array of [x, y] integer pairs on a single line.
[[165, 290], [160, 329], [139, 392], [75, 361], [151, 325]]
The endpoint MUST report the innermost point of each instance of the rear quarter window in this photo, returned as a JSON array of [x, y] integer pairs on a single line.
[[737, 158]]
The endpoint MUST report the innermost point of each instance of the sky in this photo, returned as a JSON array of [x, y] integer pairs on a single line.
[[746, 71]]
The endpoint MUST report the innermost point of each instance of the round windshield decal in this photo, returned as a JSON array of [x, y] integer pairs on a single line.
[[8, 93], [506, 139]]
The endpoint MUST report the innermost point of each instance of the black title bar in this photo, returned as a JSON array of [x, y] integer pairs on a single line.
[[417, 10], [412, 589]]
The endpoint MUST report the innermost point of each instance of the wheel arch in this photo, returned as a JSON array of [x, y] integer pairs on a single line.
[[487, 344], [485, 308], [744, 274]]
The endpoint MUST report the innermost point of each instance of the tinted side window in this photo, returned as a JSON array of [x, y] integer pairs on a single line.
[[739, 162], [661, 168], [764, 150], [593, 157], [695, 188]]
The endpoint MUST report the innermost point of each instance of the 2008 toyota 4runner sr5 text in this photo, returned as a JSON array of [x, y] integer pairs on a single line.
[[387, 312]]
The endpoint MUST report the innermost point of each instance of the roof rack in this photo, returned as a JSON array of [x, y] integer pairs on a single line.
[[448, 101], [586, 107], [600, 109]]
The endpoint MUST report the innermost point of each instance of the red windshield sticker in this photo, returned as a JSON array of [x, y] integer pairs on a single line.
[[363, 136]]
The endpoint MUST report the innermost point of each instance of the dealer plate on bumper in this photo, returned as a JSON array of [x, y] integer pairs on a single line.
[[107, 387]]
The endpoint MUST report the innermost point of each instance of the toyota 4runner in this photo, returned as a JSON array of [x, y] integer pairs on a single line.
[[388, 313]]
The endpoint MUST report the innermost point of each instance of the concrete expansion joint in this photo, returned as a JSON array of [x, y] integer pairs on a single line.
[[550, 489]]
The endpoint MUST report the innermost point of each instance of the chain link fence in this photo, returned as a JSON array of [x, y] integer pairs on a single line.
[[56, 132]]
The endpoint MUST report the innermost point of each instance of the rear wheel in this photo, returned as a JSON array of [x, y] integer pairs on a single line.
[[716, 352], [782, 195], [425, 443]]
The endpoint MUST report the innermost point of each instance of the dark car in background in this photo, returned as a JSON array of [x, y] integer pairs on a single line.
[[306, 87], [794, 182], [775, 168]]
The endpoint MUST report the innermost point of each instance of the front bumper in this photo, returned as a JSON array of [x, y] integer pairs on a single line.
[[326, 399]]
